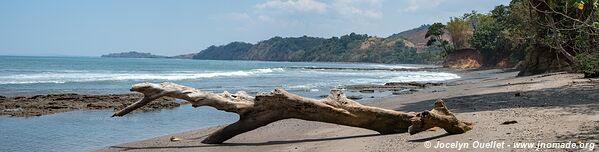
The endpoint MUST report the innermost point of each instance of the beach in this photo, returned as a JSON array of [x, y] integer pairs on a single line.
[[550, 108], [72, 98], [299, 76]]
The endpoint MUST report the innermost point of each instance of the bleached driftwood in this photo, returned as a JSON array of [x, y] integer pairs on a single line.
[[268, 107]]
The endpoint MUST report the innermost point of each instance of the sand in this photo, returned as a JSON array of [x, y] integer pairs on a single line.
[[556, 107]]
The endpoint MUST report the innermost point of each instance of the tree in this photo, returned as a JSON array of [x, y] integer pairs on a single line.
[[435, 37], [562, 31], [460, 32], [491, 35]]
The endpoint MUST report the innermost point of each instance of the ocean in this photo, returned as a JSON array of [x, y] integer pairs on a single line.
[[86, 130]]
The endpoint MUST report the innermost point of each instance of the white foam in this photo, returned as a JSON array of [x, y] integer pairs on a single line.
[[425, 77], [73, 76]]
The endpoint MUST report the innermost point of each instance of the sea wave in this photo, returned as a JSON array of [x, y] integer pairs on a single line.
[[425, 77], [65, 77]]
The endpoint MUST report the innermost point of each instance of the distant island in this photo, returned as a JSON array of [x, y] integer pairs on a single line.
[[134, 54]]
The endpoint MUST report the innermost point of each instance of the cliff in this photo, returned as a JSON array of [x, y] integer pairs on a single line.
[[463, 59]]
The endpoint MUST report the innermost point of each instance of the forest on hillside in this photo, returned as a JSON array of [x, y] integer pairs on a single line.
[[541, 35], [347, 48]]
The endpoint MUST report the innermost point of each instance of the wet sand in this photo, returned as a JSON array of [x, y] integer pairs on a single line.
[[544, 108]]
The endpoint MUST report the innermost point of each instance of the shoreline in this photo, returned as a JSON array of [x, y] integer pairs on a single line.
[[34, 104], [487, 101]]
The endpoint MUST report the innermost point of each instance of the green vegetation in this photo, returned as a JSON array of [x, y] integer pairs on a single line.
[[435, 37], [347, 48], [460, 31], [548, 35]]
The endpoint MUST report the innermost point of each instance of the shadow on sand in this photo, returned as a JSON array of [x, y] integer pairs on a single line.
[[569, 98], [125, 148]]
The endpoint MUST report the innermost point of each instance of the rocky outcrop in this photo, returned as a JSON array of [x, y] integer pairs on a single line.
[[24, 106], [543, 60], [463, 58]]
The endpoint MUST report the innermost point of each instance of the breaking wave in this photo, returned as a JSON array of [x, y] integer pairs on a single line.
[[90, 76]]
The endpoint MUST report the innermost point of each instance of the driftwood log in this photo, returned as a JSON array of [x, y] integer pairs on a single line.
[[268, 107]]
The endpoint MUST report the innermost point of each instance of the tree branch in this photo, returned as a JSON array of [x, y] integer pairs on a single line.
[[279, 104]]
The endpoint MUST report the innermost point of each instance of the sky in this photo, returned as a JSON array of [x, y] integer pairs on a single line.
[[93, 28]]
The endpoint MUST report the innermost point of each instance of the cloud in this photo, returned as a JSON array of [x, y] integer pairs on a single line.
[[295, 5], [370, 9], [416, 5]]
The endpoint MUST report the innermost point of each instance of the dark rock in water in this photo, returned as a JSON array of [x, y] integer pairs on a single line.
[[438, 90], [509, 122], [405, 91], [412, 84], [518, 94], [367, 91], [354, 97], [400, 92], [323, 96]]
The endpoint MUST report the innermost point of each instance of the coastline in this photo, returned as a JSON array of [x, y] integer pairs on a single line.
[[34, 104], [550, 108]]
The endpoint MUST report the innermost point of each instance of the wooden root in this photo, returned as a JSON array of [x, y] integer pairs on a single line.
[[268, 107]]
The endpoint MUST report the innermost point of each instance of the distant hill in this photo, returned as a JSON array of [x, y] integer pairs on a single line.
[[132, 54], [416, 37], [184, 56], [398, 48]]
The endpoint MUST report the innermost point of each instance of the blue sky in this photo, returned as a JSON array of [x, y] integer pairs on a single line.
[[92, 28]]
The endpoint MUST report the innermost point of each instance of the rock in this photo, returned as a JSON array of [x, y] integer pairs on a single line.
[[173, 138], [367, 91], [99, 105], [509, 122], [518, 94], [354, 97], [463, 59], [53, 103], [412, 84], [539, 61]]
